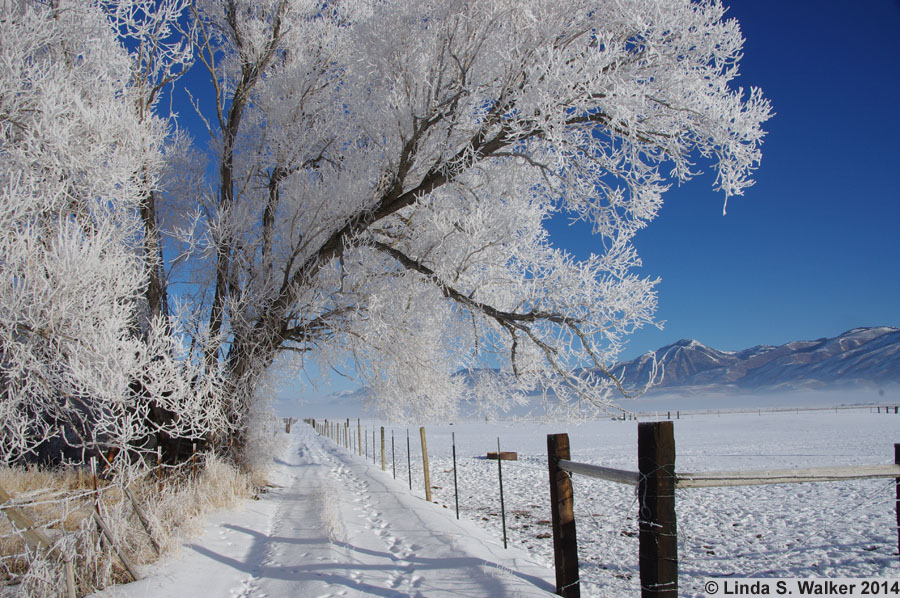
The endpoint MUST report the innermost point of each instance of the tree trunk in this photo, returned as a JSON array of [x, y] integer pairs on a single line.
[[156, 293]]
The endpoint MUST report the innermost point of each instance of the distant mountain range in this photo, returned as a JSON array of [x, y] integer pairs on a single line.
[[862, 356]]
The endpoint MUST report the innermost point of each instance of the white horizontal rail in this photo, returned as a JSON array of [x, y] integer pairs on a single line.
[[620, 476], [712, 479]]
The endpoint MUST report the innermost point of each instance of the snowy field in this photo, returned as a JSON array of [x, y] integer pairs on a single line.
[[836, 529], [335, 525]]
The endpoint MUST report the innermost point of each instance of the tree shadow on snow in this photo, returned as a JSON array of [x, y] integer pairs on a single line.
[[483, 578]]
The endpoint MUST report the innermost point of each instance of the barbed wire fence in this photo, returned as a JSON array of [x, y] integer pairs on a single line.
[[80, 530], [660, 538], [721, 531], [819, 529], [74, 529]]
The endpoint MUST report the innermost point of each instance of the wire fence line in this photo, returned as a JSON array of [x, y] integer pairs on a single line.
[[714, 541], [877, 408], [714, 479], [436, 478], [810, 530], [656, 483], [50, 537], [787, 530]]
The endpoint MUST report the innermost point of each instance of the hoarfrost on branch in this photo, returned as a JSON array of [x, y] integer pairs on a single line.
[[368, 191]]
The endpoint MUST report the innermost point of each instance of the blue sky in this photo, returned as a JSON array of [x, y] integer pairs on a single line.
[[813, 249]]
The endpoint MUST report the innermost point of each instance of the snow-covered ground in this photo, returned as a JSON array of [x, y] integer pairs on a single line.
[[339, 526], [845, 529]]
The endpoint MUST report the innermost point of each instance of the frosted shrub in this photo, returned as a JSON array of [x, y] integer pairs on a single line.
[[263, 441]]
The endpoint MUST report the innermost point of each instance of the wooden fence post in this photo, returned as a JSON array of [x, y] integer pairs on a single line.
[[96, 483], [656, 497], [145, 521], [358, 437], [897, 484], [425, 465], [107, 532], [158, 470], [562, 512], [382, 448]]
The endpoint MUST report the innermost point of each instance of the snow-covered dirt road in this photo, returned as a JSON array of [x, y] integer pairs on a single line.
[[338, 526]]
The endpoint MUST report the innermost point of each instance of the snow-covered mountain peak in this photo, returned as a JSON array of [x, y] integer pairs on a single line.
[[869, 355]]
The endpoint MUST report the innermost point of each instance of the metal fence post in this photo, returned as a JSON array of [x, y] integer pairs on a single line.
[[455, 485]]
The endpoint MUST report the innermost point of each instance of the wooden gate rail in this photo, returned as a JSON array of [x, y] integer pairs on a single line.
[[657, 481]]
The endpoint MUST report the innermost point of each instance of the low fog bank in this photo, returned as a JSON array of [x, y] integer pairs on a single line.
[[688, 400]]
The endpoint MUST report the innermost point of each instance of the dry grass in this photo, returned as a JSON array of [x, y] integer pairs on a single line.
[[61, 503]]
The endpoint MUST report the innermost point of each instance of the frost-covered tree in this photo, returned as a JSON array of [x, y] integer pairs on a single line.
[[78, 158], [372, 193], [384, 171]]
